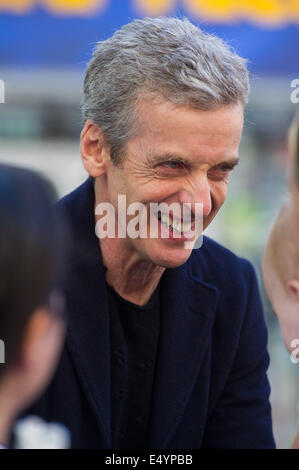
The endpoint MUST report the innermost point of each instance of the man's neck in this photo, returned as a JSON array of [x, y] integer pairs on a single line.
[[133, 278]]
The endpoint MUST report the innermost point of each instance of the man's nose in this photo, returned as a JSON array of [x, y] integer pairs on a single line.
[[198, 192]]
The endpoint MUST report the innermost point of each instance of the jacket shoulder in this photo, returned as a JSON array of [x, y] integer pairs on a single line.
[[79, 197], [219, 266]]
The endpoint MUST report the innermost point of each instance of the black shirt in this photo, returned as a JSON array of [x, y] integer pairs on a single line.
[[134, 342]]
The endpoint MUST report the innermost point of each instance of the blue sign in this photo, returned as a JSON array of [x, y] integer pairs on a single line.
[[61, 33]]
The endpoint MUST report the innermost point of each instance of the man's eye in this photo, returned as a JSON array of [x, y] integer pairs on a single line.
[[173, 165], [221, 172], [226, 168]]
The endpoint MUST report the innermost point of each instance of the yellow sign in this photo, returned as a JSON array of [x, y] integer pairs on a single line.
[[74, 6], [257, 11], [271, 12], [65, 7], [16, 6]]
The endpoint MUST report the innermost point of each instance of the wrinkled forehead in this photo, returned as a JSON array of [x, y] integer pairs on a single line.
[[163, 123]]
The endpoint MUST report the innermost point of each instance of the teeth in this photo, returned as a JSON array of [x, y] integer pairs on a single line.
[[176, 225], [187, 227], [165, 219]]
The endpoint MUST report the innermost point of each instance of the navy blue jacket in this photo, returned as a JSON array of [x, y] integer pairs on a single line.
[[211, 389]]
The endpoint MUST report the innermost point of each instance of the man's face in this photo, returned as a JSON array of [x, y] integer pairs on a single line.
[[180, 155]]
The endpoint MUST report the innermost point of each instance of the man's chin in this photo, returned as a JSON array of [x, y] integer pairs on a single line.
[[170, 258]]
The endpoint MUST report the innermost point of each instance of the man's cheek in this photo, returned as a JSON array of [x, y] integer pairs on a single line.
[[218, 195]]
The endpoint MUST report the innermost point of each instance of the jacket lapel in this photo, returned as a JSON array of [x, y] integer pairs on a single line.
[[88, 337], [187, 312]]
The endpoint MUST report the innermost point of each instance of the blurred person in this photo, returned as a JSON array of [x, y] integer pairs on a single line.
[[280, 265], [166, 346], [294, 203], [32, 247], [280, 269], [294, 175]]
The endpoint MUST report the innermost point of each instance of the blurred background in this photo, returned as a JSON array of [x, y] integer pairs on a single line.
[[44, 48]]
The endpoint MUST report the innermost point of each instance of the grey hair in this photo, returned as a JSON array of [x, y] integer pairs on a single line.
[[167, 56]]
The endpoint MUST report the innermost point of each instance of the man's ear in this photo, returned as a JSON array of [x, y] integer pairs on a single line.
[[93, 149], [293, 289]]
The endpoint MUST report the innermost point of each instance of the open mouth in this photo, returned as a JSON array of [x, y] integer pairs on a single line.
[[175, 225]]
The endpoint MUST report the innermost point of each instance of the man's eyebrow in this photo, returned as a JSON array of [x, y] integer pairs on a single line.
[[165, 158], [231, 162], [178, 158]]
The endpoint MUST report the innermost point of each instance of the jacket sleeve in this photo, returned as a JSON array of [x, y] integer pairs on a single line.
[[241, 416]]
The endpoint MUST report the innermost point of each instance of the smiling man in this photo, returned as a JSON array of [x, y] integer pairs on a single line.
[[166, 345]]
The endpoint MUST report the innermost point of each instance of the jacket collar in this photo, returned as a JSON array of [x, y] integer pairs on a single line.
[[188, 305]]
